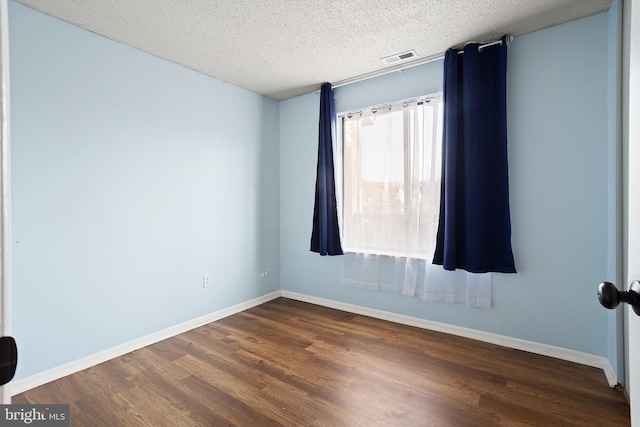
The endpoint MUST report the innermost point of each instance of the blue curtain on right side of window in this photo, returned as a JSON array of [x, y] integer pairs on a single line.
[[474, 230]]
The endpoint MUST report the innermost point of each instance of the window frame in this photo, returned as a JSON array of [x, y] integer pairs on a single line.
[[339, 158]]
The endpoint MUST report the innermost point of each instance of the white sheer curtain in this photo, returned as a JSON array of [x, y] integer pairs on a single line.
[[390, 204]]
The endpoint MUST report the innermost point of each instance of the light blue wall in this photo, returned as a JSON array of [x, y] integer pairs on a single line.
[[615, 264], [559, 145], [131, 178]]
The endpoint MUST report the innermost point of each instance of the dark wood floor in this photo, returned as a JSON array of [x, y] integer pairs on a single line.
[[297, 364]]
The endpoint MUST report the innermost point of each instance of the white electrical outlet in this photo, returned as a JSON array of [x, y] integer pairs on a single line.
[[206, 280]]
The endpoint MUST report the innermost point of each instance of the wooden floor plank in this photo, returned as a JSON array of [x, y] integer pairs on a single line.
[[288, 363]]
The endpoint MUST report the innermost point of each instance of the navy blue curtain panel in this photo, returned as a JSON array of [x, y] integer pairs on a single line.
[[325, 237], [474, 230]]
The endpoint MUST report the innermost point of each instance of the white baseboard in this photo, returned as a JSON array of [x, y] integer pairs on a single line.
[[42, 378], [515, 343]]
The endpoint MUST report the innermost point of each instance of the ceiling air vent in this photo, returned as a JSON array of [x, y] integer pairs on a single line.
[[399, 57]]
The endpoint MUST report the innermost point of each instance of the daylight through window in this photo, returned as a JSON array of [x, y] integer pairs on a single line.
[[391, 158]]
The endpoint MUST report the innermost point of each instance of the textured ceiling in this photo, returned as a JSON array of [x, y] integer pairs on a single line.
[[285, 48]]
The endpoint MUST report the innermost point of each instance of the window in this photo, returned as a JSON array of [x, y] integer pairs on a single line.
[[391, 159]]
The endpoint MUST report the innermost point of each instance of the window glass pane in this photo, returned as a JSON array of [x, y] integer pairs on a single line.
[[391, 179], [382, 148]]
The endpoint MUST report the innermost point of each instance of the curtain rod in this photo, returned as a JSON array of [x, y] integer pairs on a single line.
[[407, 65], [426, 99]]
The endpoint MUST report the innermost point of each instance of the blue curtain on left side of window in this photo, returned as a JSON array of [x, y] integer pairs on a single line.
[[325, 237], [474, 230]]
